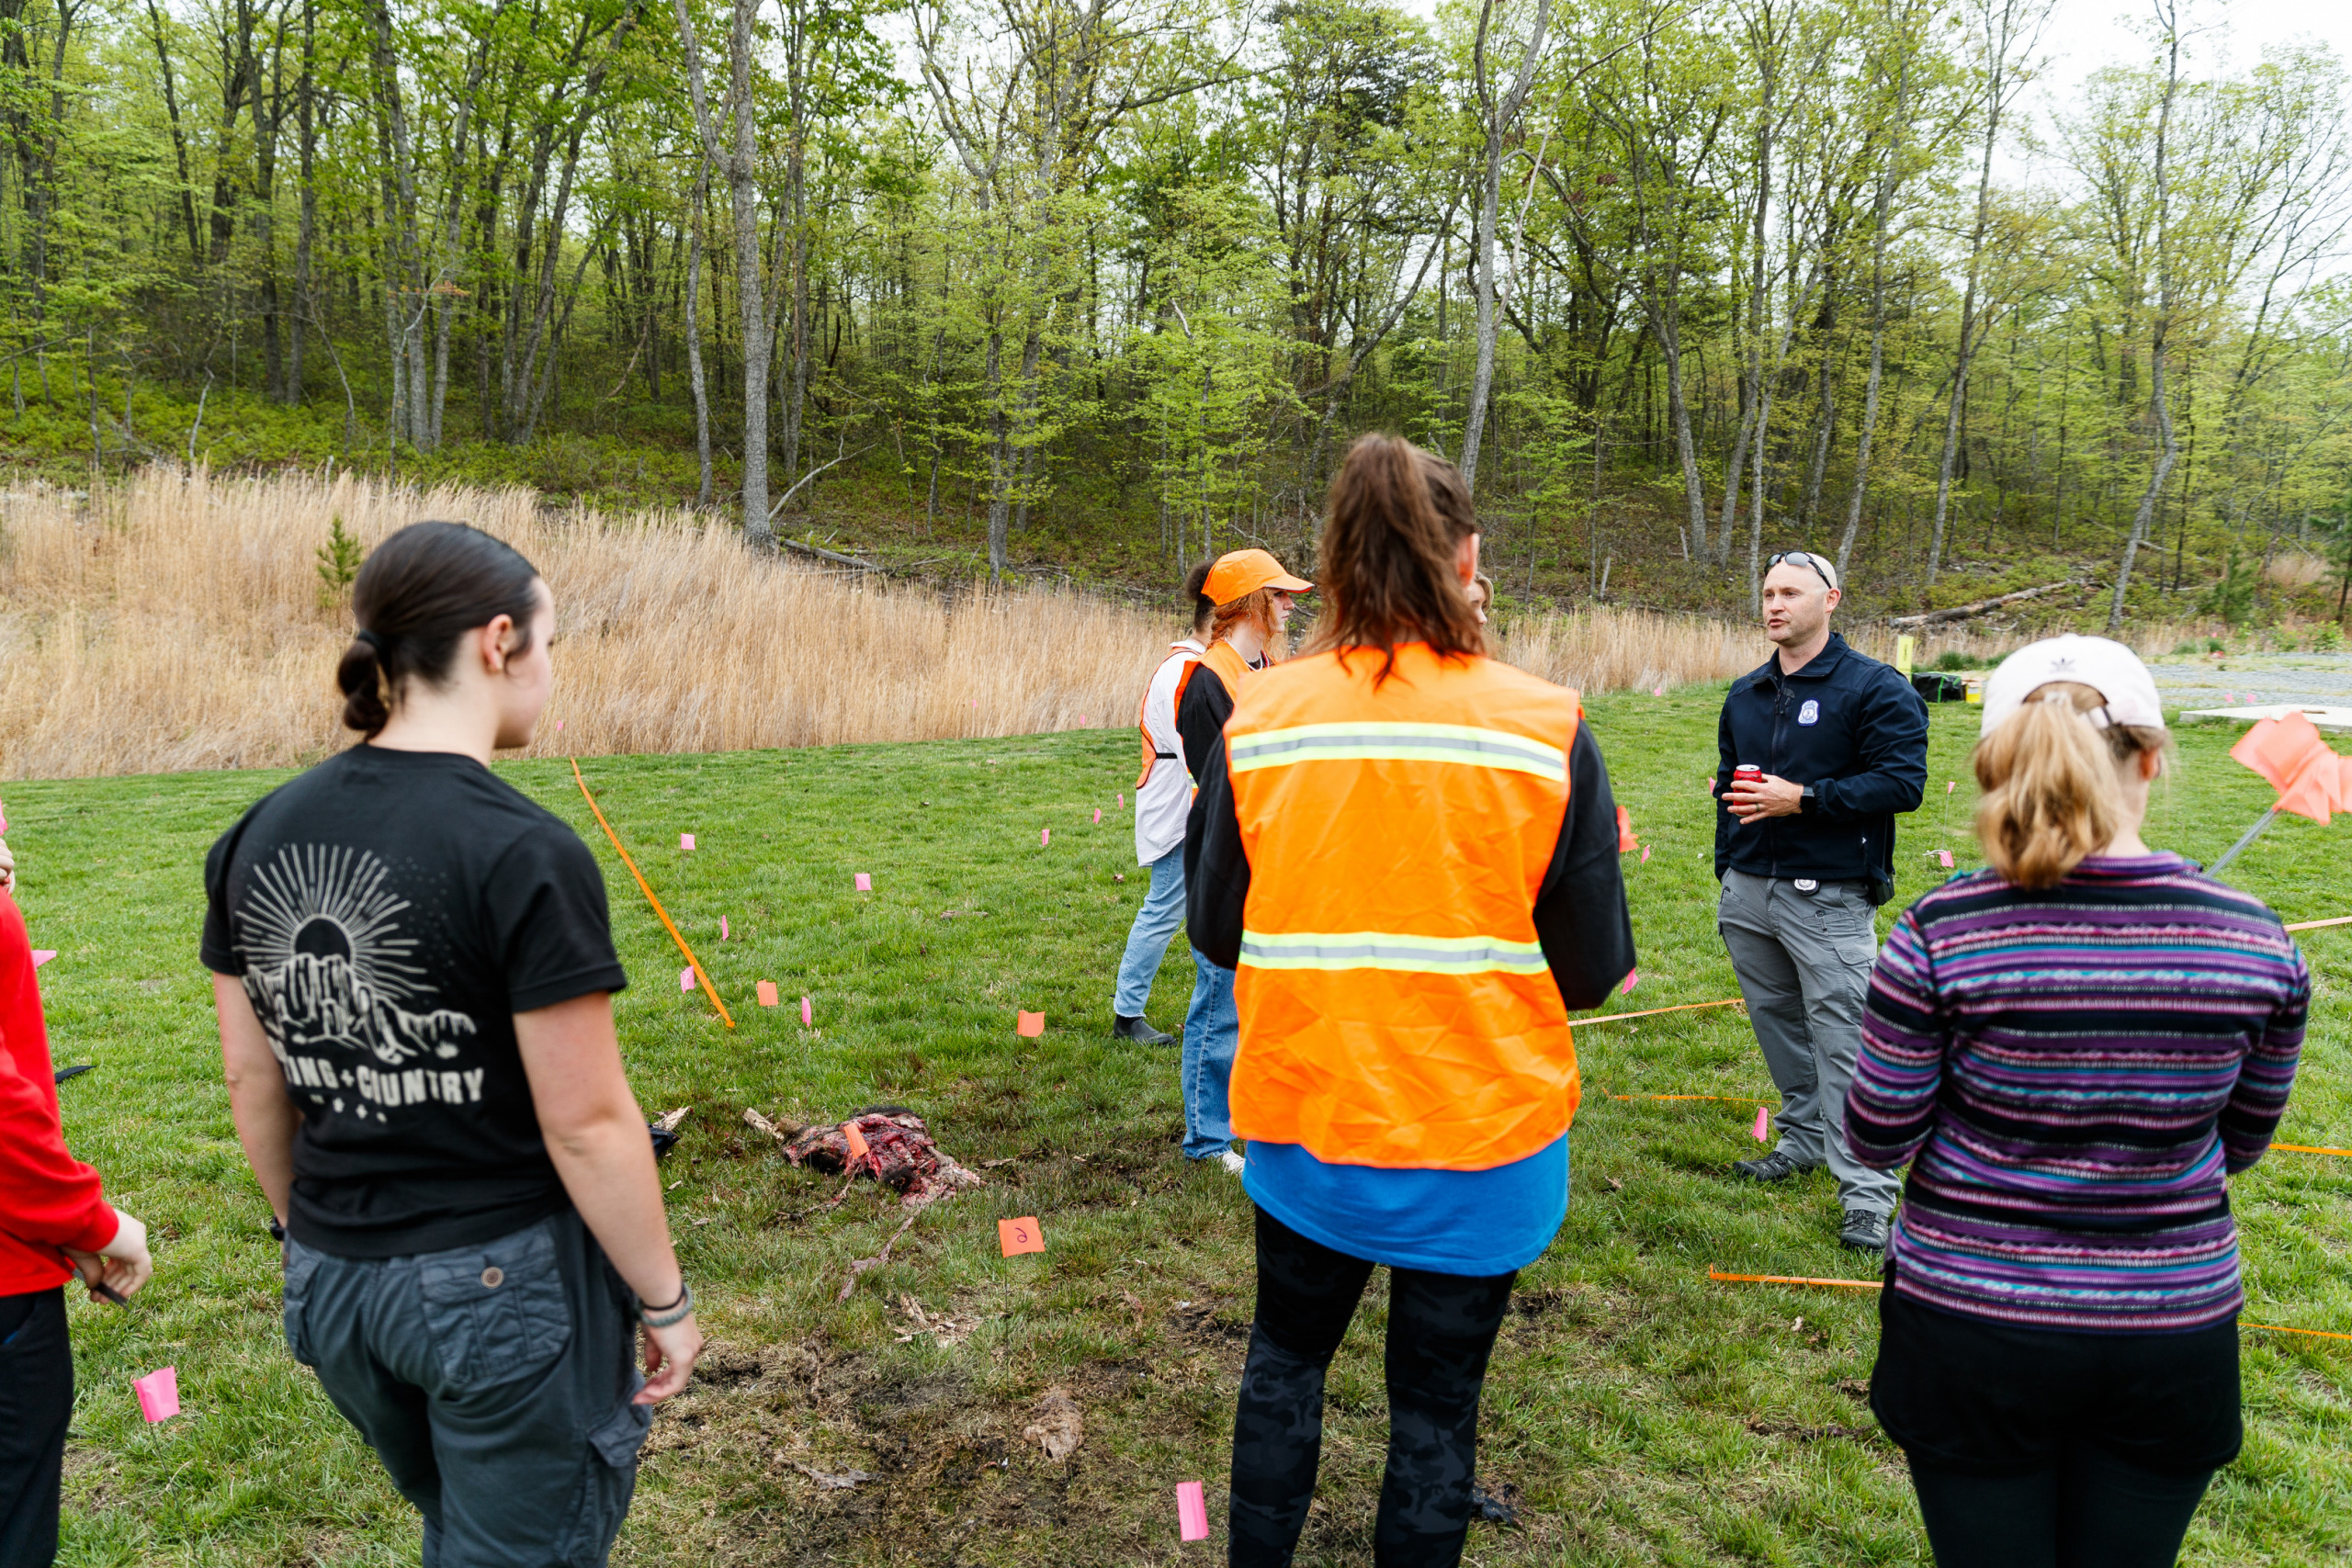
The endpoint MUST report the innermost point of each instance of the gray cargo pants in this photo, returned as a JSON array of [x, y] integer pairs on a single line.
[[1804, 961], [492, 1380]]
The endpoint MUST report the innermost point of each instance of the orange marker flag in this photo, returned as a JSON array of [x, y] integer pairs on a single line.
[[766, 989], [1625, 840], [1020, 1236], [2311, 779], [1029, 1025]]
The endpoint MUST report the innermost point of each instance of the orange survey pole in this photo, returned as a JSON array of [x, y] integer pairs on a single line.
[[1878, 1285], [2310, 1149], [1726, 1099], [2278, 1328], [1653, 1012], [696, 964], [2317, 925], [1794, 1279]]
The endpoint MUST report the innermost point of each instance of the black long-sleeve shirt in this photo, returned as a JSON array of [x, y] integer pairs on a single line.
[[1200, 718], [1847, 726], [1580, 916]]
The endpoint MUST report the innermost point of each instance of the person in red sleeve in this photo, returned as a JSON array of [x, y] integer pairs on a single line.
[[54, 1223]]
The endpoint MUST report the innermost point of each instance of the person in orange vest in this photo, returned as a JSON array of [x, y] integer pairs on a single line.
[[1163, 799], [1251, 595], [1408, 852]]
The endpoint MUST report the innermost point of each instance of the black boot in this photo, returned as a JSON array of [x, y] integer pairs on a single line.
[[1137, 1030]]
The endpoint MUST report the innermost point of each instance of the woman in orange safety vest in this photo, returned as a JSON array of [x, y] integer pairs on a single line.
[[1250, 596], [1408, 852]]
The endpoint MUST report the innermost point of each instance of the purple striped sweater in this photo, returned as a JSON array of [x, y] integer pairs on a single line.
[[2075, 1070]]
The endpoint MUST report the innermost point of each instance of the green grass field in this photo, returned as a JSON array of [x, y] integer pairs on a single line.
[[1646, 1415]]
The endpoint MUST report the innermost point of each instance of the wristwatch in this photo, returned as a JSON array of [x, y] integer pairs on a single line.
[[1804, 801]]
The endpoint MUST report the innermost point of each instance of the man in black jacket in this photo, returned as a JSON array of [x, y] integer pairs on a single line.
[[1805, 854]]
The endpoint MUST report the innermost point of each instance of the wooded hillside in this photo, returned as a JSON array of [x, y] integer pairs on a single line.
[[1102, 285]]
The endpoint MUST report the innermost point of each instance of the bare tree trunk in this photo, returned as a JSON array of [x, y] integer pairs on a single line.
[[2160, 329], [1888, 178], [1499, 119], [739, 164], [1751, 383], [306, 226], [1999, 28], [693, 329]]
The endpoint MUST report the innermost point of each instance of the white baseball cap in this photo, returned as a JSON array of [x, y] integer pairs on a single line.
[[2109, 667]]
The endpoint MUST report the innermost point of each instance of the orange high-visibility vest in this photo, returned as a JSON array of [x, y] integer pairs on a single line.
[[1151, 752], [1396, 1007], [1226, 662]]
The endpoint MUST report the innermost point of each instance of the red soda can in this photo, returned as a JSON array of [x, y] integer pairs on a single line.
[[1747, 772]]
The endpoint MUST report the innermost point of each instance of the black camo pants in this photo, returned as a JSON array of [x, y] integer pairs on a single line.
[[1440, 1330]]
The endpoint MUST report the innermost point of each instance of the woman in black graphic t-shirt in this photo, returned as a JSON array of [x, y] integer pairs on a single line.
[[413, 974]]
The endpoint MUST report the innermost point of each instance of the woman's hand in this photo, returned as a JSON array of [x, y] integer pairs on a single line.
[[670, 1355], [122, 1265], [7, 869]]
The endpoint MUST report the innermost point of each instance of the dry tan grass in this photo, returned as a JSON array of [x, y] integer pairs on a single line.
[[172, 621]]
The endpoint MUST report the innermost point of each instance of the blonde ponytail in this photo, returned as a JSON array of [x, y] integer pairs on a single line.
[[2051, 795]]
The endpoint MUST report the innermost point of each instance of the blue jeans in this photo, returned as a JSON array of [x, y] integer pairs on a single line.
[[1162, 912], [1212, 1035]]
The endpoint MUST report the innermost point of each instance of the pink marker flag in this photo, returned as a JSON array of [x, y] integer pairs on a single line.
[[1044, 837], [42, 955], [559, 726], [687, 979], [1192, 1511], [1711, 785], [1123, 805], [1633, 978], [1950, 784], [1763, 1124], [1658, 692], [806, 1019], [159, 1393], [1646, 852], [866, 882], [685, 841], [722, 928], [1943, 858], [1098, 817]]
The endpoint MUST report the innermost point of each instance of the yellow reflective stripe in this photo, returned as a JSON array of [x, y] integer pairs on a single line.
[[1458, 743], [1391, 950]]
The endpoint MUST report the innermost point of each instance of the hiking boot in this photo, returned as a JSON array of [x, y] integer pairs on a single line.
[[1137, 1030], [1774, 1167], [1864, 1230]]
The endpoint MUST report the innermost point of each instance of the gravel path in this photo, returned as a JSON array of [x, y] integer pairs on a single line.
[[2318, 679]]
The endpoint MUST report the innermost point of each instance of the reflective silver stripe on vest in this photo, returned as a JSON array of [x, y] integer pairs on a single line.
[[1396, 742], [1387, 950]]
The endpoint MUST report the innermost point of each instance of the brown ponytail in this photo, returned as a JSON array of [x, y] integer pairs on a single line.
[[2051, 793], [421, 590], [1395, 519]]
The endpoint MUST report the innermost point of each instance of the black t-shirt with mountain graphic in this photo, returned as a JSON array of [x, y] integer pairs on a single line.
[[389, 913]]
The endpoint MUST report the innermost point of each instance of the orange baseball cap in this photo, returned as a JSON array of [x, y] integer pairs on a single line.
[[1246, 571]]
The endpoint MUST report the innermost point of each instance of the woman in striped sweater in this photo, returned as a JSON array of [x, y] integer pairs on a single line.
[[2074, 1048]]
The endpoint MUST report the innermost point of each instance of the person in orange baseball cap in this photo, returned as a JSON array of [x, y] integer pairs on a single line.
[[1252, 595]]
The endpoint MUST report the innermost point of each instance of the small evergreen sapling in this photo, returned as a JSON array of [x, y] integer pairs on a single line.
[[339, 560]]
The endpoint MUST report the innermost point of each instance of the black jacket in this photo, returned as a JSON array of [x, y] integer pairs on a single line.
[[1580, 917], [1845, 723]]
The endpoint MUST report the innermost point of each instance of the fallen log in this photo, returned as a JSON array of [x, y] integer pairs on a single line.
[[1965, 611], [823, 554]]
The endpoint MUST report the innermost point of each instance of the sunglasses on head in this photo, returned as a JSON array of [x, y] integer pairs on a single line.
[[1800, 557]]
